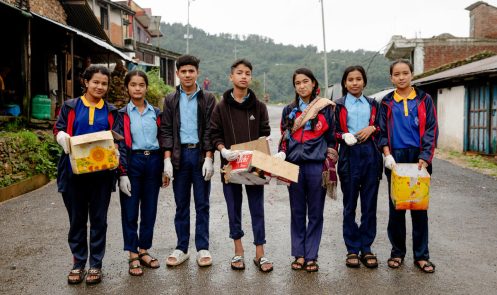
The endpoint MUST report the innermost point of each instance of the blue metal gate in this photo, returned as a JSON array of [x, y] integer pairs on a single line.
[[482, 119]]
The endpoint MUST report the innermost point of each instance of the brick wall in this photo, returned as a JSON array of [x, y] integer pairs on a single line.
[[483, 21], [436, 55], [51, 9], [116, 34]]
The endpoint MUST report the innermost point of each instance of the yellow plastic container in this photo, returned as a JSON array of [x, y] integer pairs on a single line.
[[410, 187]]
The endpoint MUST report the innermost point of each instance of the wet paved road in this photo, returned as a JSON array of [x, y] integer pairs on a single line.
[[35, 257]]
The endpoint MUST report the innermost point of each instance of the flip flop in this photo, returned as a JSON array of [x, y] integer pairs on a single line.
[[425, 266], [261, 261], [296, 265], [236, 259], [79, 272], [311, 266], [369, 256], [395, 262], [94, 272], [350, 257]]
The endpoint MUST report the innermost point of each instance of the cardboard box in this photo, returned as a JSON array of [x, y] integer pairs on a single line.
[[260, 144], [93, 152], [410, 187], [257, 168]]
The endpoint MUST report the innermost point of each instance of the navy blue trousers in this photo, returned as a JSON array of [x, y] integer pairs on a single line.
[[145, 175], [359, 176], [88, 195], [397, 220], [190, 173], [307, 202], [255, 197]]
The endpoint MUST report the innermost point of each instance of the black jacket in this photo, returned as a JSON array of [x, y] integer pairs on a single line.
[[234, 122], [170, 124]]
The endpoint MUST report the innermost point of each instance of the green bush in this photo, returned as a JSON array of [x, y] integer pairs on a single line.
[[26, 153], [157, 89]]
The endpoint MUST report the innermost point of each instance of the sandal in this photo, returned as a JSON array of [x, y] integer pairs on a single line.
[[204, 258], [395, 262], [350, 257], [424, 268], [237, 259], [311, 266], [79, 273], [134, 266], [296, 265], [179, 256], [148, 264], [96, 273], [261, 261], [369, 256]]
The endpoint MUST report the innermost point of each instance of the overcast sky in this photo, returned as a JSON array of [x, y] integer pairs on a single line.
[[349, 24]]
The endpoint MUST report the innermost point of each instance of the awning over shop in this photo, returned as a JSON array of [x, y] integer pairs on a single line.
[[94, 40]]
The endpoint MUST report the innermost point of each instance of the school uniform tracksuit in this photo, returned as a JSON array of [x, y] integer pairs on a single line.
[[185, 132], [142, 161], [86, 195], [359, 169], [307, 148], [410, 130]]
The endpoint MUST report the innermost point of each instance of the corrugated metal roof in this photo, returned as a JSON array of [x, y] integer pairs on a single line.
[[81, 16], [95, 40], [162, 52], [487, 65]]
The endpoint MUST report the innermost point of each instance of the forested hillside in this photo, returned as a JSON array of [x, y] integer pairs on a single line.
[[277, 61]]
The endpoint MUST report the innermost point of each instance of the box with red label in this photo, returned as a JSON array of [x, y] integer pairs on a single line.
[[257, 168]]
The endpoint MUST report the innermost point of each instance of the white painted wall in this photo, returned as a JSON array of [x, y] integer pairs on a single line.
[[450, 111]]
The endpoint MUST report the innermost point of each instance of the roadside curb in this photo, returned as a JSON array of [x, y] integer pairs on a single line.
[[22, 187]]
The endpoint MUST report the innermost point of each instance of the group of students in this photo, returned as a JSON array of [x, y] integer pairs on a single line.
[[178, 146]]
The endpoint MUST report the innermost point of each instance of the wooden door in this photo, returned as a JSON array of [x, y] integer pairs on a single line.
[[478, 123]]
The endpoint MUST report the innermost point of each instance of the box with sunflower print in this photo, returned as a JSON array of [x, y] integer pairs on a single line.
[[93, 152]]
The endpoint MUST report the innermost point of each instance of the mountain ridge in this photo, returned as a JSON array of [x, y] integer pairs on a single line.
[[218, 51]]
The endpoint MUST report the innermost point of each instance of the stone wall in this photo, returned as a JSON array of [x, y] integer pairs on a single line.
[[51, 9]]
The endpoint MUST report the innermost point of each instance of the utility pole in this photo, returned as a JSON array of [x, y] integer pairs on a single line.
[[325, 53], [188, 36], [264, 83]]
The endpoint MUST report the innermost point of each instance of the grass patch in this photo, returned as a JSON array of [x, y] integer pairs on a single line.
[[483, 164]]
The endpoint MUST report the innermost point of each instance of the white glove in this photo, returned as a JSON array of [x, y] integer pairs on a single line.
[[125, 185], [168, 168], [390, 162], [207, 169], [349, 139], [280, 155], [229, 154], [62, 140]]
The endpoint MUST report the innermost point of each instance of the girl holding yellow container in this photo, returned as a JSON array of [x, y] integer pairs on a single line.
[[409, 132]]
